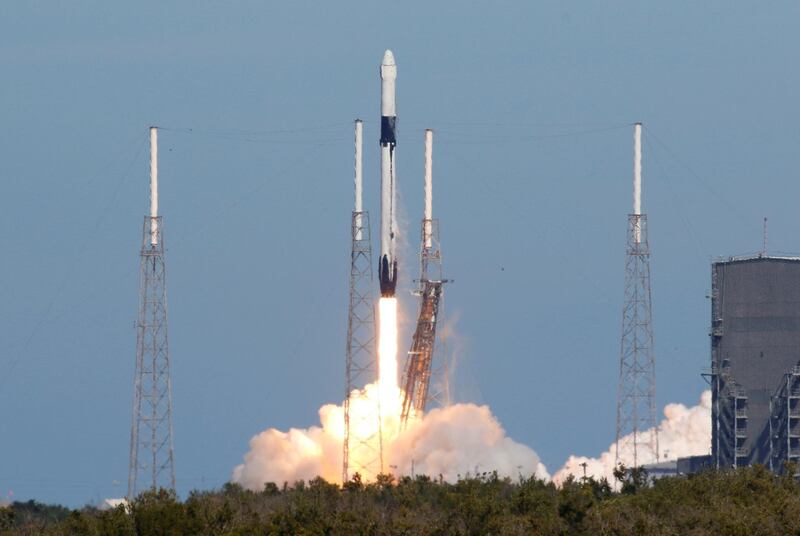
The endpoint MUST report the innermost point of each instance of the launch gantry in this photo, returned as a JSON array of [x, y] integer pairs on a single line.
[[424, 379], [420, 369], [362, 447]]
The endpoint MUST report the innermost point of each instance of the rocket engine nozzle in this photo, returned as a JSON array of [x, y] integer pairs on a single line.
[[387, 277]]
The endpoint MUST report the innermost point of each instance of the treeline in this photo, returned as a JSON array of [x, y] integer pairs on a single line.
[[742, 502]]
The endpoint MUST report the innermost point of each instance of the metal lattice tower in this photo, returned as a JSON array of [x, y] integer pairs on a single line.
[[425, 380], [362, 446], [637, 434], [151, 456]]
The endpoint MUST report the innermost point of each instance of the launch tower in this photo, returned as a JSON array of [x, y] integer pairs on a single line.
[[362, 448], [151, 456], [637, 436], [425, 380]]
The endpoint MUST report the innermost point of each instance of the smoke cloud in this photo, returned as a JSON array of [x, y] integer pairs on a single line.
[[684, 432], [454, 441], [461, 439], [299, 454]]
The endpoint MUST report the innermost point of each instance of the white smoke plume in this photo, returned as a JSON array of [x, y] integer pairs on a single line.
[[684, 432], [110, 504], [458, 440], [462, 439]]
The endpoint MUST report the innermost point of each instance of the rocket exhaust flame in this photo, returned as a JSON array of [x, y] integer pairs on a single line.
[[387, 357]]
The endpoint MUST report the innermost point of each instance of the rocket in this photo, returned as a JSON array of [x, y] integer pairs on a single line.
[[387, 265]]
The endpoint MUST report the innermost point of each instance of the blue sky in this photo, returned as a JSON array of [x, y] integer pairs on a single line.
[[532, 104]]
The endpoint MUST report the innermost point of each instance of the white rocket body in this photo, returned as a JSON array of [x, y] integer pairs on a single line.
[[387, 265]]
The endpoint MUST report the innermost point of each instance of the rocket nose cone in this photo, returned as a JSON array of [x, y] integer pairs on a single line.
[[388, 58]]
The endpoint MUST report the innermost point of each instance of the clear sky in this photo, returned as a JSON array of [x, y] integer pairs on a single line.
[[532, 104]]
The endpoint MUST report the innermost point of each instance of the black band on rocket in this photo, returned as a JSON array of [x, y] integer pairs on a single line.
[[387, 129]]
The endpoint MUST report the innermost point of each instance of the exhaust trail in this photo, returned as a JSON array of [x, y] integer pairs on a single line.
[[387, 355]]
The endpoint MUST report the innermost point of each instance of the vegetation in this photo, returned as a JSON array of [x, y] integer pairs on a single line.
[[743, 502]]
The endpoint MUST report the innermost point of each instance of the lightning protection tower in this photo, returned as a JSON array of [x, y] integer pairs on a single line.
[[151, 460], [637, 435], [362, 446], [425, 379]]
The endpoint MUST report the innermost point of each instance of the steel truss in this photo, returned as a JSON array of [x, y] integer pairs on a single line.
[[151, 455], [362, 445], [637, 434], [425, 379]]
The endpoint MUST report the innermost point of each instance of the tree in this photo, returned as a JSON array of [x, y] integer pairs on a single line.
[[158, 513]]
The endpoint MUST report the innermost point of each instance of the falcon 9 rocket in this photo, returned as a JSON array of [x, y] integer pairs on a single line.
[[387, 265]]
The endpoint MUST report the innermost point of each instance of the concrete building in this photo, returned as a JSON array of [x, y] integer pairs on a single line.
[[755, 351]]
